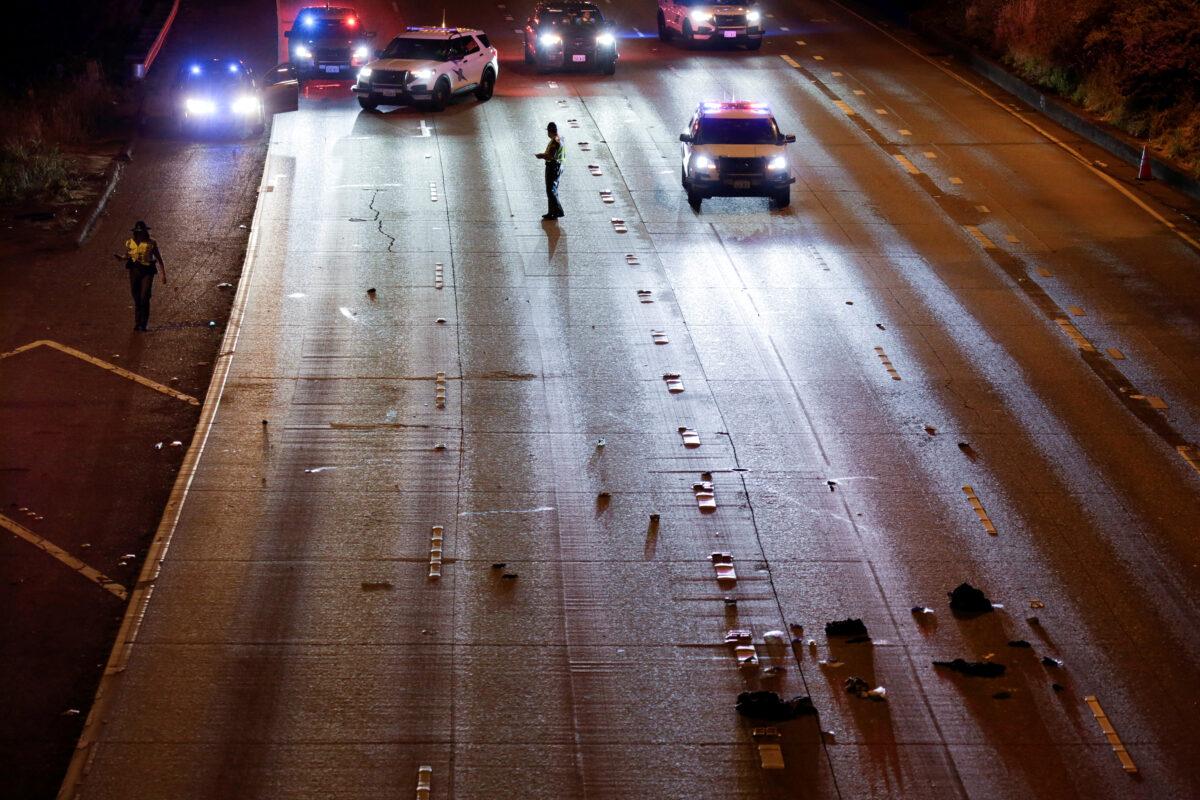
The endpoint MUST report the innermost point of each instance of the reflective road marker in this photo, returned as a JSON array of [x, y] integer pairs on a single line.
[[887, 364]]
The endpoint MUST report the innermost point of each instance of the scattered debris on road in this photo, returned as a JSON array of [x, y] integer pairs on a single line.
[[847, 627], [974, 669], [769, 705], [966, 599], [861, 689]]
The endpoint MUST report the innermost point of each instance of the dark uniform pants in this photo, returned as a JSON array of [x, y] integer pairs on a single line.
[[553, 171], [141, 281]]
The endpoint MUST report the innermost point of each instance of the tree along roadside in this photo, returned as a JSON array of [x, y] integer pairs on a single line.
[[1134, 65]]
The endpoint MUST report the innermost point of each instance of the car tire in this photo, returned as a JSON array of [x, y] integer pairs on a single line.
[[367, 104], [754, 44], [782, 198], [487, 86], [689, 36], [610, 68], [664, 33], [441, 95], [694, 200]]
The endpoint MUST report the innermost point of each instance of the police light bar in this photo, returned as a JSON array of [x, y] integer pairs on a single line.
[[351, 22]]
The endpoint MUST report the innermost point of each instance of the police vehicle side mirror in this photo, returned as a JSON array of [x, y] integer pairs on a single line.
[[686, 138], [789, 139]]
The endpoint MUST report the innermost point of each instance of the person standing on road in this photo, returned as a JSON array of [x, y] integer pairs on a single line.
[[142, 260], [553, 155]]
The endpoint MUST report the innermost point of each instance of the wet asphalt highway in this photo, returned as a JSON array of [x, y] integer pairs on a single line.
[[953, 314]]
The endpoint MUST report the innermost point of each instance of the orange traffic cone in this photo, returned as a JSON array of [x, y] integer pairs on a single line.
[[1144, 173]]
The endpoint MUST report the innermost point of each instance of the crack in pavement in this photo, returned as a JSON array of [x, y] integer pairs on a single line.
[[379, 222]]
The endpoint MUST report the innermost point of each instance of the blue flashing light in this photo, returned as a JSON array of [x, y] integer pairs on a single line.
[[195, 69], [308, 21], [233, 67]]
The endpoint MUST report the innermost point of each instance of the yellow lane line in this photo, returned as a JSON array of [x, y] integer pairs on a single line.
[[1079, 157], [791, 62], [1189, 455], [102, 364], [984, 241], [909, 166], [980, 511], [1078, 338], [845, 108], [96, 577], [1110, 733]]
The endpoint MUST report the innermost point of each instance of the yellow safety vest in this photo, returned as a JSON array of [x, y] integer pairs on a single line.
[[140, 252]]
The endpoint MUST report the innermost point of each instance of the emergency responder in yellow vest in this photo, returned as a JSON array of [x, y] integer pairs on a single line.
[[553, 155], [142, 260]]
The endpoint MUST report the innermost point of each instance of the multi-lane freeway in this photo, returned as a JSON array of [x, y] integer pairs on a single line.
[[963, 353]]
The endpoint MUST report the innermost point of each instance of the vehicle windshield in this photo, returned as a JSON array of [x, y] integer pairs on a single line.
[[418, 49], [573, 17], [749, 130]]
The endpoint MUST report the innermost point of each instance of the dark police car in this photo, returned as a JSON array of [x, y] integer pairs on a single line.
[[570, 35], [328, 42], [221, 95]]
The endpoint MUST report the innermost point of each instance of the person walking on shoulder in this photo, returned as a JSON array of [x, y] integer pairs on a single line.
[[553, 155], [142, 260]]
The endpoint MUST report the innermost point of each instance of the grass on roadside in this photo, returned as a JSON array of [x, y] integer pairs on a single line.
[[32, 170]]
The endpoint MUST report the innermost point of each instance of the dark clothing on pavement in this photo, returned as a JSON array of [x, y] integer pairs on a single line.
[[553, 172], [141, 282]]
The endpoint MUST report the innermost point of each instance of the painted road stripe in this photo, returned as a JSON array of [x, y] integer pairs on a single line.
[[841, 104], [909, 166], [96, 577], [980, 511], [790, 61], [887, 364], [1110, 733], [113, 368], [1115, 354], [1078, 338], [818, 58], [1189, 455], [979, 236], [956, 181]]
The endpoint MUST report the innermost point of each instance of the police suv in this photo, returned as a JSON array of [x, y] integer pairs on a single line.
[[697, 21], [328, 41], [429, 65], [735, 149], [570, 35]]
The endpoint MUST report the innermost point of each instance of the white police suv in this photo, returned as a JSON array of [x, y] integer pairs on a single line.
[[699, 21], [429, 65], [735, 149]]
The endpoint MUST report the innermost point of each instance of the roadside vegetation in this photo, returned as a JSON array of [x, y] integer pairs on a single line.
[[58, 93], [1132, 63]]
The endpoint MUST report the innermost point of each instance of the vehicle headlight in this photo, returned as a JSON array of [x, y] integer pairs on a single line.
[[302, 52], [549, 39], [364, 75], [199, 106], [702, 162], [777, 163], [753, 17], [606, 40], [420, 75], [362, 51], [245, 105], [700, 16]]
